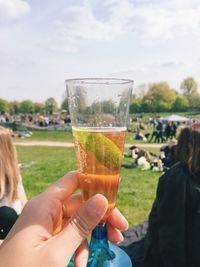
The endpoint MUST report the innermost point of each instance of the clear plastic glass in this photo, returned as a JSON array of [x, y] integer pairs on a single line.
[[99, 112]]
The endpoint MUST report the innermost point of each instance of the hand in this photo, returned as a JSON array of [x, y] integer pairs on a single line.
[[55, 224]]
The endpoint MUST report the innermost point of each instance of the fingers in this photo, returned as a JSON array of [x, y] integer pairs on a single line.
[[115, 223], [82, 254], [80, 226], [114, 235], [64, 187], [47, 208], [118, 220]]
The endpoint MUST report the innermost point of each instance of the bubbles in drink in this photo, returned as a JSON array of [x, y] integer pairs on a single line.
[[99, 155]]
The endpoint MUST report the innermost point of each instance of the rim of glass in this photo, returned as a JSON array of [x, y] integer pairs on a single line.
[[99, 81]]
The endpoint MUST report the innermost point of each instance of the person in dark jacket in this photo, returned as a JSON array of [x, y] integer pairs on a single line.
[[173, 235], [168, 154]]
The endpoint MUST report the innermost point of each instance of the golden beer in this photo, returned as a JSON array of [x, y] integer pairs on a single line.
[[99, 156]]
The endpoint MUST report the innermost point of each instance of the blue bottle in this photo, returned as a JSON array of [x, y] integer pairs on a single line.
[[104, 254]]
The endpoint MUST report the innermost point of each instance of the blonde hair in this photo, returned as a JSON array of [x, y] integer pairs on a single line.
[[9, 172]]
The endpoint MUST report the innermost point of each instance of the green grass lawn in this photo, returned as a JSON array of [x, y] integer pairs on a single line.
[[61, 136], [136, 191], [64, 136], [50, 163]]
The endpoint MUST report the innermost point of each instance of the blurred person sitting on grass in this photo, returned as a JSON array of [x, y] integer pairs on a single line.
[[173, 235], [55, 225], [142, 159], [12, 194]]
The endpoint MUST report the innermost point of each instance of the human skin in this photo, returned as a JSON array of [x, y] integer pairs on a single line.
[[55, 224]]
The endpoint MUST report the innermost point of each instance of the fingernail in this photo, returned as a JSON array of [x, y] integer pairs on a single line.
[[121, 238], [83, 262]]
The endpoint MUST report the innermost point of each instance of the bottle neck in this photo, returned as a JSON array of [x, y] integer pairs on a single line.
[[99, 237], [104, 254]]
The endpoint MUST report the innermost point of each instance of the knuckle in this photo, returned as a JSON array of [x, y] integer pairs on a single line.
[[80, 225]]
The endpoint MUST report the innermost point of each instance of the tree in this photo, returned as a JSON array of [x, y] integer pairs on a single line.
[[65, 104], [141, 90], [180, 104], [26, 106], [14, 107], [51, 105], [189, 86], [81, 99], [95, 107], [146, 106], [135, 104], [39, 107], [3, 106], [194, 101], [103, 106], [159, 97], [108, 106]]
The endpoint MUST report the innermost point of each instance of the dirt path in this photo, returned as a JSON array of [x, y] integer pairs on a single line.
[[44, 143], [67, 144]]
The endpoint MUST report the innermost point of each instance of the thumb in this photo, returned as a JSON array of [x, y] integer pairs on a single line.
[[80, 226]]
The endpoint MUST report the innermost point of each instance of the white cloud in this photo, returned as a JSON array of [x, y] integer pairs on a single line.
[[170, 64], [151, 21], [128, 73], [13, 9]]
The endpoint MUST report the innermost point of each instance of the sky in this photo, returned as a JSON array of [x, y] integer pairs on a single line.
[[43, 43]]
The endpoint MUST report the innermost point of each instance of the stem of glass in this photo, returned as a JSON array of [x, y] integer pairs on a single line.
[[99, 247]]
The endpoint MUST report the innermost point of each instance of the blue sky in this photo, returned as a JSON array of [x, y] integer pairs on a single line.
[[42, 43]]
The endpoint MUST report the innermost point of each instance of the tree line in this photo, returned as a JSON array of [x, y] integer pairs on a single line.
[[159, 97], [28, 106]]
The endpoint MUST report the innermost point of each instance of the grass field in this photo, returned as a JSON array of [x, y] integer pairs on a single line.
[[64, 136], [61, 136], [136, 191]]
